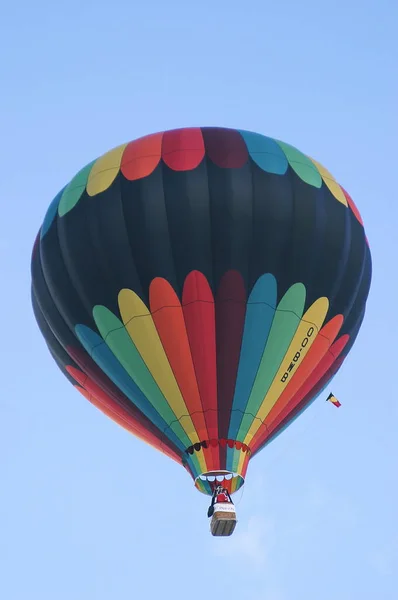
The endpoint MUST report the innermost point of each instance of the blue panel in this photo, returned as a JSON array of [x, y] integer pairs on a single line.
[[50, 214], [108, 363], [265, 152], [260, 312]]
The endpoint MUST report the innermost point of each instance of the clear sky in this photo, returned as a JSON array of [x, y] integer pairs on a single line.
[[318, 518]]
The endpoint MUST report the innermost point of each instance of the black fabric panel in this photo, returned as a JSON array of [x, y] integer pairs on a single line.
[[231, 220], [188, 216], [333, 251], [147, 229], [59, 282], [272, 225], [352, 276]]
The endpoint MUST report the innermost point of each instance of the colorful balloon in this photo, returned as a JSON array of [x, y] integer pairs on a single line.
[[201, 287]]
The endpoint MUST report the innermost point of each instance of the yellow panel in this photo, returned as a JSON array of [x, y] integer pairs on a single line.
[[241, 461], [139, 323], [104, 171], [331, 183], [314, 317]]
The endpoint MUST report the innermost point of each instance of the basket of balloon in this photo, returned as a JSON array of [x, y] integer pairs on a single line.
[[223, 521]]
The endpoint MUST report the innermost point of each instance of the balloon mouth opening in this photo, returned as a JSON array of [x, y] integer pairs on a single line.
[[207, 482]]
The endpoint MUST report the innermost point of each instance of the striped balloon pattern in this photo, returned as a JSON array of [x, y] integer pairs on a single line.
[[201, 287]]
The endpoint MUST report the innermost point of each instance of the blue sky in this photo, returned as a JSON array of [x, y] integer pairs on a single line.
[[318, 515]]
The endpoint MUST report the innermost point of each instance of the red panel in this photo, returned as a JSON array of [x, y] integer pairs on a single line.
[[315, 355], [225, 147], [321, 383], [171, 328], [141, 157], [199, 315], [183, 149], [88, 366], [230, 319], [306, 390], [352, 205], [245, 465], [113, 410]]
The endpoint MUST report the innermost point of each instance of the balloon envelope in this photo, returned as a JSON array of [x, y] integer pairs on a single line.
[[201, 287]]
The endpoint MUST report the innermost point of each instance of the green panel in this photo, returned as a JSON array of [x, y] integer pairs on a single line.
[[302, 165], [286, 320], [122, 346], [74, 190]]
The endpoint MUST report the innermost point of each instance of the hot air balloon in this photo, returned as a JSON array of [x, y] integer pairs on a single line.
[[201, 287]]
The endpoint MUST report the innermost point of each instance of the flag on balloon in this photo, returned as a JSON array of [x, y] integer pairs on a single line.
[[332, 398]]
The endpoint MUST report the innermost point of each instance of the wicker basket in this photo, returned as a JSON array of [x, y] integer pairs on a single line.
[[223, 521]]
